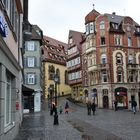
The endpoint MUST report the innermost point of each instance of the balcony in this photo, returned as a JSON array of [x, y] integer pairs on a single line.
[[133, 66], [76, 81], [73, 55], [103, 66], [91, 49], [92, 68], [74, 67]]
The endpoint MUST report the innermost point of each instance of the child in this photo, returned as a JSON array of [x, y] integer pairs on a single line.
[[60, 109]]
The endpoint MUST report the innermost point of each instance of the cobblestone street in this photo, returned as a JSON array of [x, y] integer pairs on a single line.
[[77, 125]]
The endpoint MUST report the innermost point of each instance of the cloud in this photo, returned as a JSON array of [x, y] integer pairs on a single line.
[[57, 17]]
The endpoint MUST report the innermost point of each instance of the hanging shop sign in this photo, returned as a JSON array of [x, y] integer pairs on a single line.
[[3, 27]]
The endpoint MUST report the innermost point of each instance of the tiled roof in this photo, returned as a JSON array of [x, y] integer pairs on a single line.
[[77, 36], [54, 50], [114, 18], [90, 17]]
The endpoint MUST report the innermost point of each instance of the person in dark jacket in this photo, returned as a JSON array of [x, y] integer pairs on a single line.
[[89, 108], [93, 107], [134, 105], [116, 105], [66, 108]]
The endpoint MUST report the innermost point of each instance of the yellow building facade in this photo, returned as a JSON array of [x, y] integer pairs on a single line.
[[54, 64], [62, 87]]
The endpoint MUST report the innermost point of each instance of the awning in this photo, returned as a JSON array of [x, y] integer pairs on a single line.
[[26, 91]]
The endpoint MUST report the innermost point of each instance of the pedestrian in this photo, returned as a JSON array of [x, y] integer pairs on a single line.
[[134, 105], [89, 108], [116, 105], [60, 109], [56, 122], [66, 108], [93, 107]]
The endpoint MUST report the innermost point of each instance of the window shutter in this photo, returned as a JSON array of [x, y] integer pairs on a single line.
[[35, 79], [25, 62], [35, 59], [26, 79]]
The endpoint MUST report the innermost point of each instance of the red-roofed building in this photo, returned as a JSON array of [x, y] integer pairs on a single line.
[[74, 63], [54, 62]]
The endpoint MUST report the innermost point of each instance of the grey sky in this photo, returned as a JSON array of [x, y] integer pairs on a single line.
[[57, 17]]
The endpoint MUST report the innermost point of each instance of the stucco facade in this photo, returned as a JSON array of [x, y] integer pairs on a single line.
[[10, 69], [54, 62]]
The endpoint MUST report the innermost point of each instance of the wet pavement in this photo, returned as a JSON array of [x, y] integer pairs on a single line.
[[77, 125]]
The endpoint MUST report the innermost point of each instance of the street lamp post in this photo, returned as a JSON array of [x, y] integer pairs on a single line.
[[56, 78]]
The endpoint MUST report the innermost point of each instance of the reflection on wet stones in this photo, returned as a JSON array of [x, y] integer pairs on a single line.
[[87, 137]]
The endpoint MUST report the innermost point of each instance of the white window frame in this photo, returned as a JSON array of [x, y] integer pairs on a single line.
[[118, 40], [31, 78], [102, 25], [31, 46], [7, 115], [30, 61], [103, 59]]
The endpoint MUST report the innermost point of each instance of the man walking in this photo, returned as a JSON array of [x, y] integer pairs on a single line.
[[134, 105]]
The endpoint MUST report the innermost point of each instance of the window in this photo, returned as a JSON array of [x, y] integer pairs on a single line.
[[129, 42], [138, 29], [119, 75], [118, 40], [72, 50], [102, 40], [104, 76], [119, 58], [31, 61], [87, 28], [130, 59], [138, 41], [131, 77], [30, 45], [31, 79], [14, 16], [70, 40], [103, 59], [115, 26], [102, 25], [7, 118], [91, 27]]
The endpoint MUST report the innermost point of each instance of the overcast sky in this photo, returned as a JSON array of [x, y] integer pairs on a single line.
[[57, 17]]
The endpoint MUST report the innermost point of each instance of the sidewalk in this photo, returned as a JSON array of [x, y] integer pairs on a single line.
[[39, 126]]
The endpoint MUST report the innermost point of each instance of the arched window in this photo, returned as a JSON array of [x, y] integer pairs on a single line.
[[119, 58], [102, 25], [120, 74], [58, 73], [103, 59], [51, 72]]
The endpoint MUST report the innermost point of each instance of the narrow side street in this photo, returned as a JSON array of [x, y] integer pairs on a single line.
[[77, 125]]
